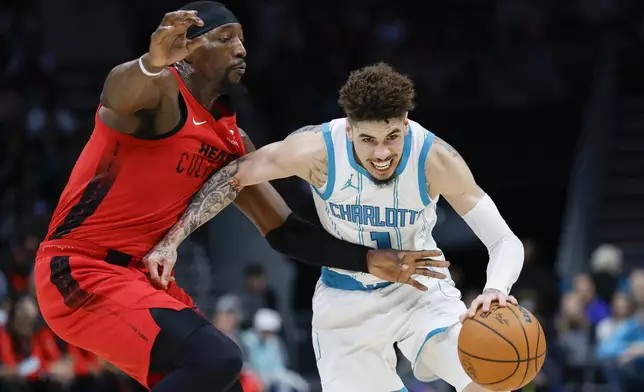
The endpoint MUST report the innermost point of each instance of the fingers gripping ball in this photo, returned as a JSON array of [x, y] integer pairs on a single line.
[[503, 349]]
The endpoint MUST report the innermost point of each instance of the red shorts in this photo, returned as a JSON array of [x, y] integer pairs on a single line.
[[101, 307]]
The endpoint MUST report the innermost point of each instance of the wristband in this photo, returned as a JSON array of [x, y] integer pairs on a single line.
[[145, 71]]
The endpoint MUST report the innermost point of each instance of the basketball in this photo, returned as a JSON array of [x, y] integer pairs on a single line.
[[503, 349]]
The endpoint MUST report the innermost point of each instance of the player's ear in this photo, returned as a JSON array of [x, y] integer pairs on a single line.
[[348, 130], [406, 124]]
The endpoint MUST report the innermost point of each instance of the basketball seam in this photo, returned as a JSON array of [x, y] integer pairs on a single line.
[[511, 345], [536, 349], [527, 345], [501, 360], [498, 361]]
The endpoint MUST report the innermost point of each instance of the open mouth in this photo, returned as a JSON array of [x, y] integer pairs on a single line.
[[382, 166]]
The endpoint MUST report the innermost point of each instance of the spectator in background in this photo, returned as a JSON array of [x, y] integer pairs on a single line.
[[30, 357], [4, 291], [257, 294], [227, 319], [623, 354], [636, 285], [574, 337], [87, 370], [621, 310], [227, 316], [249, 382], [267, 356], [19, 270], [606, 265], [595, 308], [113, 380]]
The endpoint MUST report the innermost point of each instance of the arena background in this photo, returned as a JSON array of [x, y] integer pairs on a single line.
[[543, 98]]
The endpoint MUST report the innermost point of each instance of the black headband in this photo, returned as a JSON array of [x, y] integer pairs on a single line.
[[213, 15]]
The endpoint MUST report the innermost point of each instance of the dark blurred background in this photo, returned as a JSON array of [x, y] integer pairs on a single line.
[[543, 98]]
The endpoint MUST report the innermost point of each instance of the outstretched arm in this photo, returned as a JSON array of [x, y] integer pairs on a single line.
[[285, 231], [245, 181], [302, 154], [449, 175]]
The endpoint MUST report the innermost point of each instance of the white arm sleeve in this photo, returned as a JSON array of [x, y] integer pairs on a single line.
[[504, 248]]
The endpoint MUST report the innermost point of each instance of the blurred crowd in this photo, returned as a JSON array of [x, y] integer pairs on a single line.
[[600, 327], [249, 316], [502, 54]]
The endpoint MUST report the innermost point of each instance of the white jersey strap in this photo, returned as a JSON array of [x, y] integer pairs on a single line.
[[330, 155], [422, 175]]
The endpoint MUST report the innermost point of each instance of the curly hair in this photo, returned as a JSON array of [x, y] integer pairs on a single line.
[[376, 93]]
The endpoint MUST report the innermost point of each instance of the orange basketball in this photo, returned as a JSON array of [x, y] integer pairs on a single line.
[[503, 349]]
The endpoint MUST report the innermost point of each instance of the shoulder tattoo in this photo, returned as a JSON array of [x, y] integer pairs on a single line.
[[309, 128], [447, 147]]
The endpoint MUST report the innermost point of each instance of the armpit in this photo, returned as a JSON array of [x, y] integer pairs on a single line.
[[248, 144], [310, 144], [318, 172]]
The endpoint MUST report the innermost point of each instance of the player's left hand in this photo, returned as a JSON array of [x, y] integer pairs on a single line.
[[485, 300], [401, 265], [160, 262]]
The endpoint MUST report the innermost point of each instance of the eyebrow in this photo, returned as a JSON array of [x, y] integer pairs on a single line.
[[365, 135], [371, 136]]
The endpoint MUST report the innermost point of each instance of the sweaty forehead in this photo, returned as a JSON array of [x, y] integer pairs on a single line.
[[378, 127]]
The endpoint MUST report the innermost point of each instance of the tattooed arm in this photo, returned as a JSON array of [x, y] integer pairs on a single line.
[[300, 155], [215, 195], [447, 174], [277, 160]]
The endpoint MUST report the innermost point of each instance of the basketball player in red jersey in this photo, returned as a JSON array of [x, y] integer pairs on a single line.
[[162, 128]]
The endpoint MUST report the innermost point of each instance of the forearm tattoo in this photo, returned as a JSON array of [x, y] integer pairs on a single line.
[[215, 195]]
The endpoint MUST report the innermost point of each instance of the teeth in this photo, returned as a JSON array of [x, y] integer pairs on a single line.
[[382, 165]]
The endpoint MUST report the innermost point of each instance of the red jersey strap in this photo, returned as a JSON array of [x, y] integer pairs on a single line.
[[191, 102], [227, 123]]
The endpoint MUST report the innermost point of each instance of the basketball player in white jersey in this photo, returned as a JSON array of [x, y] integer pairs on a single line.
[[376, 176]]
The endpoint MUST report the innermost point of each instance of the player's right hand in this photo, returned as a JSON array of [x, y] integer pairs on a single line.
[[399, 266], [160, 262], [169, 43]]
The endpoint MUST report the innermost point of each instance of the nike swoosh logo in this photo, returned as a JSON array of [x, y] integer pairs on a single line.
[[197, 123]]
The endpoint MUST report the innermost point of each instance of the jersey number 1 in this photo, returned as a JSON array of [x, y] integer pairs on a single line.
[[382, 239]]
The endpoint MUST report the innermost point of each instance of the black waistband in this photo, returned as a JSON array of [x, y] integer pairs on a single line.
[[118, 258]]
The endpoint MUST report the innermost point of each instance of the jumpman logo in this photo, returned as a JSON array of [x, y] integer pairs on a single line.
[[349, 184]]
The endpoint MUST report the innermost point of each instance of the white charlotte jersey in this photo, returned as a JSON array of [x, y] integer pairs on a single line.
[[352, 208]]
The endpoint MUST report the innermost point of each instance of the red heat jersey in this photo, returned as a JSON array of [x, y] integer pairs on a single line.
[[125, 193]]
